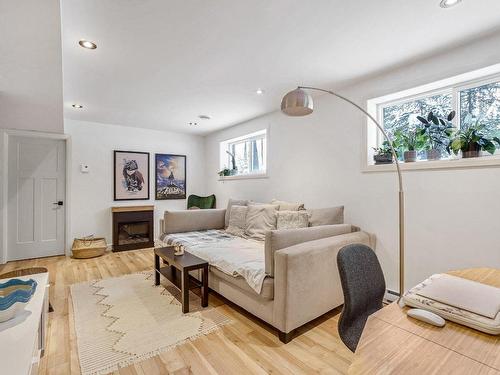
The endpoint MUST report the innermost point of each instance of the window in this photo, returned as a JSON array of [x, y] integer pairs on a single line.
[[474, 97], [244, 156], [403, 115], [482, 102]]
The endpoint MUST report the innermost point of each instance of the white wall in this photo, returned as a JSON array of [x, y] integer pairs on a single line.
[[3, 196], [92, 193], [452, 215], [31, 94]]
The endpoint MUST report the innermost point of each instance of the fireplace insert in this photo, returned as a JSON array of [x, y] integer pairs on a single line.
[[132, 228]]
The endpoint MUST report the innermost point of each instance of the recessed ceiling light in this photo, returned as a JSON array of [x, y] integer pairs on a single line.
[[87, 44], [259, 92], [77, 106], [193, 123], [204, 117], [449, 3]]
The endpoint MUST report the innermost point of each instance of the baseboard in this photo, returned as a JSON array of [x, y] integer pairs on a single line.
[[391, 295]]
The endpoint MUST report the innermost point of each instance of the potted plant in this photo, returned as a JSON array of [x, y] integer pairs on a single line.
[[383, 154], [227, 172], [472, 139], [410, 142], [437, 132]]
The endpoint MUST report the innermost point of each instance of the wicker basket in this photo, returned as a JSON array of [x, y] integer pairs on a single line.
[[88, 247]]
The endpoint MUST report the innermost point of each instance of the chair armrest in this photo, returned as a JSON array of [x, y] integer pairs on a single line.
[[279, 239], [307, 282], [192, 220]]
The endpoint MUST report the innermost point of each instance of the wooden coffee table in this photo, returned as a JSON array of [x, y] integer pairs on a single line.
[[177, 272]]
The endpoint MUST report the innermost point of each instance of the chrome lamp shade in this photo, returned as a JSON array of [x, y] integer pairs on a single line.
[[297, 103]]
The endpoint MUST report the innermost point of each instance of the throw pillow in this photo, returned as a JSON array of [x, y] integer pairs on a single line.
[[292, 219], [233, 202], [288, 206], [326, 216], [237, 220], [260, 219]]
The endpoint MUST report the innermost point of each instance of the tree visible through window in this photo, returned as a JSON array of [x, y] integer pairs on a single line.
[[403, 116], [426, 123], [482, 103]]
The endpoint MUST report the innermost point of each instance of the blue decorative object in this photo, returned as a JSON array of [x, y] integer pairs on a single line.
[[14, 294]]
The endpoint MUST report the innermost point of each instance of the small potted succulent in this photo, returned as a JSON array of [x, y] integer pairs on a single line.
[[410, 142], [227, 172], [437, 132], [472, 139], [383, 154]]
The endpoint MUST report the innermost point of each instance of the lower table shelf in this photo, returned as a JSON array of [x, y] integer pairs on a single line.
[[174, 276]]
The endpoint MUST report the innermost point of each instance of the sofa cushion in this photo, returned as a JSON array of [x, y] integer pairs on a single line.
[[267, 291], [233, 202], [292, 219], [288, 206], [237, 221], [193, 220], [326, 216], [260, 219]]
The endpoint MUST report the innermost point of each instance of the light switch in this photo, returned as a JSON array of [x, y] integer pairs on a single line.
[[84, 168]]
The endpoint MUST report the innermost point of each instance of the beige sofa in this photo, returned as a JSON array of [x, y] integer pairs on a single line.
[[302, 280]]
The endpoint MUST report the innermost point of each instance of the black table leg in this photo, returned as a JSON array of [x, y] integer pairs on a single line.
[[157, 270], [185, 291], [204, 287]]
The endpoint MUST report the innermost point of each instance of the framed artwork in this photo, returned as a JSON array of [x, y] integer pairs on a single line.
[[170, 176], [131, 175]]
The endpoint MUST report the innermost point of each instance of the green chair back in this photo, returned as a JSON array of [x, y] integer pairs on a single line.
[[201, 202]]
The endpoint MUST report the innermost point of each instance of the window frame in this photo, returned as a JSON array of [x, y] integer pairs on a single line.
[[469, 85], [382, 106], [224, 158], [454, 85]]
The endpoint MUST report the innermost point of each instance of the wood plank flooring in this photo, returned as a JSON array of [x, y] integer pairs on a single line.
[[246, 346]]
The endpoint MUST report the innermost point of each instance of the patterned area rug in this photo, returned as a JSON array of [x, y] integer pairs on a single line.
[[123, 320]]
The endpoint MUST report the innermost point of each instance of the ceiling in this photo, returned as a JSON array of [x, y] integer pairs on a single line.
[[162, 63]]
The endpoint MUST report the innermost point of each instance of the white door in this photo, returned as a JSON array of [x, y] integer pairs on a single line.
[[36, 192]]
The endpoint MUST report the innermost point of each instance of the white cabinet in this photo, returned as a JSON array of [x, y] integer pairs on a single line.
[[22, 339]]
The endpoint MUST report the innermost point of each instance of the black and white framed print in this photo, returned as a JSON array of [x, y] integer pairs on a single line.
[[131, 175]]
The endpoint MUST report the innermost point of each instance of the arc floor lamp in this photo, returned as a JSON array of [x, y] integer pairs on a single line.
[[299, 103]]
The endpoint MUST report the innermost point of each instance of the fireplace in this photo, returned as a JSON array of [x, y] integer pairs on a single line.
[[133, 227]]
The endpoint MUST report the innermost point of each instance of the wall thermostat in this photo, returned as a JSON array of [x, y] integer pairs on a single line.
[[84, 168]]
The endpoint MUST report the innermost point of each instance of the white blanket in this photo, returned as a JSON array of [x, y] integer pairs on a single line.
[[232, 255]]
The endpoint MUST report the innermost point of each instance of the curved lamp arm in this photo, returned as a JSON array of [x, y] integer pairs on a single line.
[[400, 184]]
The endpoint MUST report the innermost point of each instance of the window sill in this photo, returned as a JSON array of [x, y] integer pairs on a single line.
[[244, 177], [479, 162]]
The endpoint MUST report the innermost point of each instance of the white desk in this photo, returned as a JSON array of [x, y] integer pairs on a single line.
[[21, 337]]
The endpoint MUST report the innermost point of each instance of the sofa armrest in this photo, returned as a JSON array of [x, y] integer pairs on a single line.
[[162, 225], [307, 281], [279, 239], [192, 220]]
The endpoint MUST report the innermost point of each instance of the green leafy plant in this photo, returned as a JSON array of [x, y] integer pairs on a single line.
[[473, 138], [409, 140], [225, 172], [383, 154], [383, 150], [437, 130]]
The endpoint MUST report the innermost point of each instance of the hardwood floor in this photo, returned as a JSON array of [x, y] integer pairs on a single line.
[[246, 346]]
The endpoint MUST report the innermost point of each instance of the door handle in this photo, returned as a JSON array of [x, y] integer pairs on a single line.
[[59, 203]]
